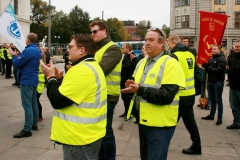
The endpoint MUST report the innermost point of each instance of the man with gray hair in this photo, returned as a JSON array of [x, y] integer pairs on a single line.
[[187, 97], [126, 73], [27, 64], [156, 84]]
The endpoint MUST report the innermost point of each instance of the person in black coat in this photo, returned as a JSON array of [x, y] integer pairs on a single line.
[[126, 73], [234, 84], [215, 67]]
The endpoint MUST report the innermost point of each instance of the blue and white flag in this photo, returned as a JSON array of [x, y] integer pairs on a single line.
[[11, 29]]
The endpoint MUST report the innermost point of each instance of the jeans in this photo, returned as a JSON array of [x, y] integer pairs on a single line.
[[215, 90], [186, 112], [234, 97], [207, 94], [85, 152], [29, 103], [108, 146], [154, 142]]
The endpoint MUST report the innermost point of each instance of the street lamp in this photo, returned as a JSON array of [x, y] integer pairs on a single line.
[[57, 37]]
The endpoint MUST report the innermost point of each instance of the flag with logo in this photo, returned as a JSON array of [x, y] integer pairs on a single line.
[[212, 27], [11, 29]]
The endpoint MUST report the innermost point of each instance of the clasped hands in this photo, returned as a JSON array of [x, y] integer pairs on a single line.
[[131, 87], [51, 71]]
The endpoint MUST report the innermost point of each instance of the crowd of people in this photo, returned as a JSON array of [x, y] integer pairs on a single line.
[[157, 88]]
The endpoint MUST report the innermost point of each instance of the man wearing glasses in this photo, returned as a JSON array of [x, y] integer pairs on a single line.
[[109, 57], [79, 100], [156, 84]]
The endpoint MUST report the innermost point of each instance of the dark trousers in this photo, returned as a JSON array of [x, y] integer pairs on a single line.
[[39, 105], [3, 66], [8, 68], [15, 74], [0, 65], [126, 97], [154, 142], [186, 112], [108, 146]]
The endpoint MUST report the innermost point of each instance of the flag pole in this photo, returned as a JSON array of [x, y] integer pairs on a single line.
[[5, 7]]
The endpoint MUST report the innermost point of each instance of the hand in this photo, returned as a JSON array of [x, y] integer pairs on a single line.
[[129, 82], [49, 69], [133, 88], [58, 74]]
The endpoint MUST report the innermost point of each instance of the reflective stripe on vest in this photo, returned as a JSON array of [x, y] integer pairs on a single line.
[[189, 72], [112, 79], [151, 114], [98, 103]]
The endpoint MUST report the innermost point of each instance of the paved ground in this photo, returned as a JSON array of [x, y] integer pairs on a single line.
[[218, 143]]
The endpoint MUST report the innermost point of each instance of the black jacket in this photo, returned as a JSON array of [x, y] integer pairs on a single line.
[[234, 70], [128, 68], [216, 67], [197, 73]]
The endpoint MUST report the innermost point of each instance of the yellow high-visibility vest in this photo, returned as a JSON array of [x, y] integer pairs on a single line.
[[166, 70], [84, 122], [113, 79], [41, 80], [187, 61]]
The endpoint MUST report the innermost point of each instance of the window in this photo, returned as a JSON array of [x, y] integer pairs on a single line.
[[237, 2], [185, 21], [237, 20], [220, 12], [177, 3], [185, 2], [220, 1], [177, 22], [16, 6]]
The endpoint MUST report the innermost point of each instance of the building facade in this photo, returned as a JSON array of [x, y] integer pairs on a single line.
[[22, 10], [184, 19]]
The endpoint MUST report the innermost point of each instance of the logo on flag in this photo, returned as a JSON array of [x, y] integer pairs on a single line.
[[11, 29], [212, 27]]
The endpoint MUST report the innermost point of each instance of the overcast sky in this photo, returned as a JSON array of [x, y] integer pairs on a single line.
[[157, 11]]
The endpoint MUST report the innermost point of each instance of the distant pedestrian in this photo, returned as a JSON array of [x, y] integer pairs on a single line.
[[234, 84], [27, 64], [215, 67]]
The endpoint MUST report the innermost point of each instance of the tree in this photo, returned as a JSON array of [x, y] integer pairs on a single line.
[[115, 29], [62, 26], [80, 20], [142, 28], [39, 18], [167, 31]]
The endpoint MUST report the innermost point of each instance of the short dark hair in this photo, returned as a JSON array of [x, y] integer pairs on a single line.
[[32, 37], [100, 24], [185, 37], [86, 41]]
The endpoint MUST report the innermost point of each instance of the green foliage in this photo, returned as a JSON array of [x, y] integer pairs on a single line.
[[167, 31], [76, 21], [142, 28]]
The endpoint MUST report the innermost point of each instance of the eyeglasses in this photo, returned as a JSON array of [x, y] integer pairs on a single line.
[[71, 46], [156, 29], [94, 31]]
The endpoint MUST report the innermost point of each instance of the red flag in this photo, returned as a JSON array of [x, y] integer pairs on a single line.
[[212, 26]]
